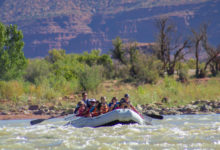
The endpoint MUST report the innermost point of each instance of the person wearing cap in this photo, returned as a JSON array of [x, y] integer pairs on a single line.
[[92, 107], [96, 111], [84, 100], [125, 103]]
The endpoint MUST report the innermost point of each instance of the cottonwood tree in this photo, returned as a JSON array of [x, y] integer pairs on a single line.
[[168, 47], [12, 59], [200, 40]]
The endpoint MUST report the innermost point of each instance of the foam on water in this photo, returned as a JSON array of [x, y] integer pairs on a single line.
[[174, 132]]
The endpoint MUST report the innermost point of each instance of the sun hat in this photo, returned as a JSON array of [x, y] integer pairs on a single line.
[[92, 100]]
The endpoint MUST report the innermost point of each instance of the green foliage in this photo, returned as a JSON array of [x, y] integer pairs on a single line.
[[11, 90], [171, 85], [145, 69], [37, 70], [55, 55], [68, 67], [90, 77], [118, 52], [121, 71], [191, 63], [95, 58], [12, 59], [182, 69]]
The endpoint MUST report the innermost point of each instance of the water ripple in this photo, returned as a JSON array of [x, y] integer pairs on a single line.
[[174, 132]]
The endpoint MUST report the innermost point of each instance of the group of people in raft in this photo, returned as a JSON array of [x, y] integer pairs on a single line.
[[92, 107]]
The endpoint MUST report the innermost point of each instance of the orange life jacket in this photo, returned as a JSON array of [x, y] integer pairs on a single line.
[[104, 108], [95, 112]]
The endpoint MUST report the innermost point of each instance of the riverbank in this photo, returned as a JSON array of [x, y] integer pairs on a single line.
[[167, 97], [195, 107], [44, 112]]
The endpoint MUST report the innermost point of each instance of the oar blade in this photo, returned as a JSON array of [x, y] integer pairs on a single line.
[[155, 116], [33, 122]]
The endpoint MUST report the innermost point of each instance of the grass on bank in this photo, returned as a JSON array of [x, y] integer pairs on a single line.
[[176, 92], [21, 93]]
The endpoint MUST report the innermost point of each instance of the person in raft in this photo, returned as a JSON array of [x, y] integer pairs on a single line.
[[104, 105], [125, 103], [96, 111], [85, 100], [114, 104], [92, 108], [82, 109]]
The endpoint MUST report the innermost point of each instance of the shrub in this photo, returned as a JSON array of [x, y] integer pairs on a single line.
[[55, 55], [191, 63], [183, 73], [11, 90], [90, 77], [37, 70], [120, 70], [145, 69]]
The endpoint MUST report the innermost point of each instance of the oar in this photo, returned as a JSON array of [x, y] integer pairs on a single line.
[[33, 122], [154, 116]]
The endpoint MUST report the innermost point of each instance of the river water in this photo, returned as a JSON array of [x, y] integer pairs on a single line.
[[173, 132]]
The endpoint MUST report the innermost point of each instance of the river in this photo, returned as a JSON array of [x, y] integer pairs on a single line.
[[173, 132]]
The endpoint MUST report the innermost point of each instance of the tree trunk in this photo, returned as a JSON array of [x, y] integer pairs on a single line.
[[197, 59]]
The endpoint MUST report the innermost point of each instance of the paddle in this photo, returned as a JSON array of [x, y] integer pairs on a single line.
[[154, 116], [33, 122]]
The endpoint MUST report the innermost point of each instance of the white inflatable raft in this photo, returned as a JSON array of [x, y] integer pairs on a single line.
[[118, 116]]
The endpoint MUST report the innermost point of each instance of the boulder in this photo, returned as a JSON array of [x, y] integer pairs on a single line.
[[205, 108], [33, 107], [4, 113], [51, 108], [39, 112]]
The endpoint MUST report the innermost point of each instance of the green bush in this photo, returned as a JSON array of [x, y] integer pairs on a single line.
[[11, 90], [12, 59], [145, 69], [37, 70], [90, 77], [191, 63], [55, 55], [120, 70], [183, 70]]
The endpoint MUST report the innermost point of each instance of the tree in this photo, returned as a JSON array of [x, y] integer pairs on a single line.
[[118, 51], [197, 39], [200, 40], [55, 55], [212, 53], [12, 59], [169, 44]]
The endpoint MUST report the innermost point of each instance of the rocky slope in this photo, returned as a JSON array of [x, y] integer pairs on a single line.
[[79, 25]]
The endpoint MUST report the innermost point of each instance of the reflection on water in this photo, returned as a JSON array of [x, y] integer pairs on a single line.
[[174, 132]]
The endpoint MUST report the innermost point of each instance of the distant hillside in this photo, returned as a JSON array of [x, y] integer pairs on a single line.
[[79, 25]]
